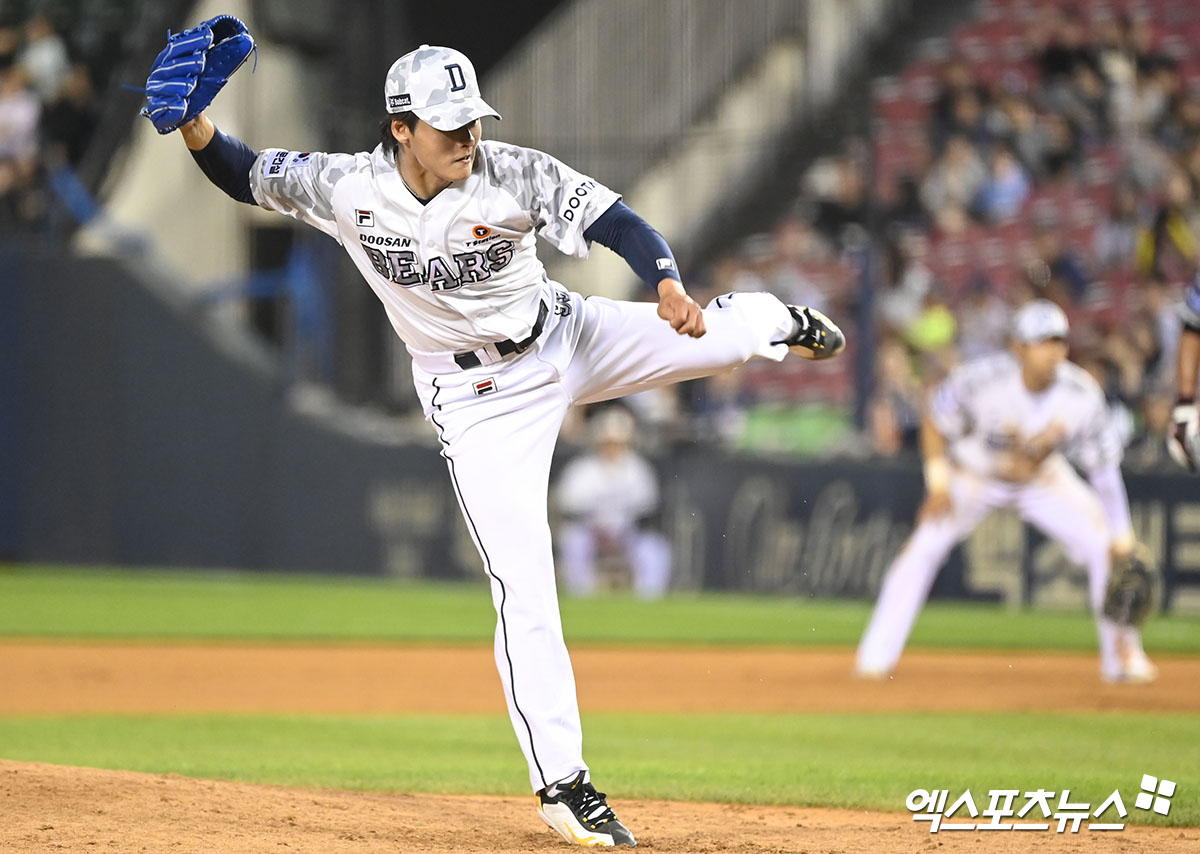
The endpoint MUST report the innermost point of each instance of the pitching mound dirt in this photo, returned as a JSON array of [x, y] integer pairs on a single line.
[[51, 808], [45, 808]]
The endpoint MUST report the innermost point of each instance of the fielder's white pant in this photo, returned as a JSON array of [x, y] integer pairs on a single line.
[[1057, 502], [499, 443], [647, 552]]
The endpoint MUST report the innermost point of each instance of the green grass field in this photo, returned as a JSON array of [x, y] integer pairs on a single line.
[[868, 761], [214, 605]]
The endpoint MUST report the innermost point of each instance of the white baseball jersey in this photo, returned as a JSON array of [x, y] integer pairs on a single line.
[[613, 494], [460, 271], [986, 412]]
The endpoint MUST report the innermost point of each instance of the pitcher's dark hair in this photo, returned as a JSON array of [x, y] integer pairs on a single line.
[[385, 130]]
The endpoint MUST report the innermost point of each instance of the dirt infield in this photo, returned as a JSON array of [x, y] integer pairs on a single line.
[[65, 677], [51, 808]]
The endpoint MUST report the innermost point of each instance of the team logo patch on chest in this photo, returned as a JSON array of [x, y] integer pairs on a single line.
[[364, 219], [405, 268], [483, 387]]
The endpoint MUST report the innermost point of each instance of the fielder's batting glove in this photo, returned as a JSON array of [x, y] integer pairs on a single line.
[[1183, 443], [192, 69]]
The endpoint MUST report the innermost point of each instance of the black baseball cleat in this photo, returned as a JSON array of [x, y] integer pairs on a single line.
[[580, 814], [816, 336]]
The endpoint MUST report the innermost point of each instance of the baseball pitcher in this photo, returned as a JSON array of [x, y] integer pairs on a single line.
[[443, 225], [998, 433]]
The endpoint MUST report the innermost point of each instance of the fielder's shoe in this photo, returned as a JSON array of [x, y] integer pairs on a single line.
[[1136, 669], [872, 674], [580, 814], [816, 336]]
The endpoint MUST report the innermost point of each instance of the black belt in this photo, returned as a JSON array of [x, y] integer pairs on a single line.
[[506, 347]]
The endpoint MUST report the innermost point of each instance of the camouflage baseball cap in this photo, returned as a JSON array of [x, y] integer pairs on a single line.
[[439, 85], [1039, 320]]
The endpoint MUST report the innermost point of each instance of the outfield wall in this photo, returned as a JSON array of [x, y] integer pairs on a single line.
[[133, 432]]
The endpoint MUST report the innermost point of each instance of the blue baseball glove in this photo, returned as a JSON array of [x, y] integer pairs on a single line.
[[192, 69]]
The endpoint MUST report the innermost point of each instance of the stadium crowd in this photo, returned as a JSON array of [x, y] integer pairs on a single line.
[[1045, 149], [47, 113]]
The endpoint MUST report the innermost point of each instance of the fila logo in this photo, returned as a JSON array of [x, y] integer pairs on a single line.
[[483, 387], [364, 219]]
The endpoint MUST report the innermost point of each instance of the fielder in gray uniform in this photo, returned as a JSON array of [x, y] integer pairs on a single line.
[[443, 225], [999, 433]]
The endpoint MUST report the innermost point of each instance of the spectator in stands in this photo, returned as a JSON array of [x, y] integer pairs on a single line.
[[19, 114], [1148, 449], [1084, 103], [731, 272], [1114, 244], [841, 198], [1168, 249], [1061, 151], [953, 184], [1141, 41], [1068, 278], [44, 58], [1160, 304], [1142, 106], [1108, 111], [894, 413], [1128, 347], [609, 499], [68, 119], [968, 119], [955, 78], [1015, 121], [900, 305], [1179, 131], [931, 336], [755, 260], [984, 319], [1116, 412], [10, 41], [1066, 47], [1113, 50], [1006, 188], [907, 211], [795, 247]]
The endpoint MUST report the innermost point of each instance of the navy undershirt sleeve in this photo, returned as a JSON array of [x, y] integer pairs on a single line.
[[631, 237], [227, 161]]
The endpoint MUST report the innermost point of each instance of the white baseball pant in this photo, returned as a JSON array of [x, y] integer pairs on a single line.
[[498, 424], [1057, 502], [647, 553]]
